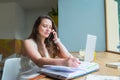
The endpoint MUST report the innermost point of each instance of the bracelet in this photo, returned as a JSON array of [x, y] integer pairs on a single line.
[[56, 41]]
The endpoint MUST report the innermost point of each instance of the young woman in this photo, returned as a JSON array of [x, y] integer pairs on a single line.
[[43, 46]]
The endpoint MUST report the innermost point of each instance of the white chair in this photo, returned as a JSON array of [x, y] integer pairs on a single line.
[[11, 69]]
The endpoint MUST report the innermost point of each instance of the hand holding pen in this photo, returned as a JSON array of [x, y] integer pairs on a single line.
[[72, 62]]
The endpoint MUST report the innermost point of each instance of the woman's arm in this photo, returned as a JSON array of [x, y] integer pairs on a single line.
[[63, 51], [71, 61], [32, 52]]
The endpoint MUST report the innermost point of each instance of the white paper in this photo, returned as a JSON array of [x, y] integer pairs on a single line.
[[90, 48], [113, 64], [61, 68], [101, 77]]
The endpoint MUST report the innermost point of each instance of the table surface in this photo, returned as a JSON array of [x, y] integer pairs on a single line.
[[101, 58]]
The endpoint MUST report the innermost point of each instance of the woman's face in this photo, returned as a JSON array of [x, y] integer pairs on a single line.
[[45, 28]]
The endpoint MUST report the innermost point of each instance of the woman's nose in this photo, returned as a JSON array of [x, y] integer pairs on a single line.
[[48, 29]]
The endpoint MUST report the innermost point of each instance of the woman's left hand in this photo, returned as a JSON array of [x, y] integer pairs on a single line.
[[55, 35]]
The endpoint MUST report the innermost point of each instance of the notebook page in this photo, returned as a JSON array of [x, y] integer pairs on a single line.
[[84, 66], [61, 73]]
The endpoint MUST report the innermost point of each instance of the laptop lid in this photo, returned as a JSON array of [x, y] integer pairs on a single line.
[[90, 48]]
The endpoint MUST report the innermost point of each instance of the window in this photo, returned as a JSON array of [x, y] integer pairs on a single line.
[[112, 25]]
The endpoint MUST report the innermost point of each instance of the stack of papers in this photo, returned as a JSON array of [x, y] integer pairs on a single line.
[[64, 72], [113, 64]]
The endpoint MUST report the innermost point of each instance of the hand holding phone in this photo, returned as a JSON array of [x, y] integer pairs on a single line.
[[51, 36]]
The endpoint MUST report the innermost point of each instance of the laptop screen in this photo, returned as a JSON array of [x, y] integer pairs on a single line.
[[90, 48]]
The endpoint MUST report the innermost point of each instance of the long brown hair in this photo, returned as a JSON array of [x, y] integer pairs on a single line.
[[52, 48]]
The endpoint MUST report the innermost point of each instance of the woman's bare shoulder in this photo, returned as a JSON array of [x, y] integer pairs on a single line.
[[28, 41]]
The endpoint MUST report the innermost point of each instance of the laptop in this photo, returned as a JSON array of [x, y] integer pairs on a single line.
[[86, 67], [90, 48]]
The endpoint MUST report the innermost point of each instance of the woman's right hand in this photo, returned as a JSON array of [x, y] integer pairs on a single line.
[[72, 62]]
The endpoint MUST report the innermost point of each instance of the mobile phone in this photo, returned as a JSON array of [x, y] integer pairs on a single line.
[[51, 36]]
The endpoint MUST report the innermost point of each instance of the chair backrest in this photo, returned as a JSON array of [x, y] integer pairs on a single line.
[[11, 69]]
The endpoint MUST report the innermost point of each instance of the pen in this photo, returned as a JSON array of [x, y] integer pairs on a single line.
[[91, 66]]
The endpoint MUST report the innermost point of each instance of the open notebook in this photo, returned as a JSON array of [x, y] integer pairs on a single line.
[[86, 66], [63, 72]]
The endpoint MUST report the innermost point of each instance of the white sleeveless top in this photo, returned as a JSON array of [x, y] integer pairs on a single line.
[[28, 68]]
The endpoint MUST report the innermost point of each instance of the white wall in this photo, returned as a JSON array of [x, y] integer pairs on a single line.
[[19, 31], [11, 20], [15, 22], [30, 18]]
